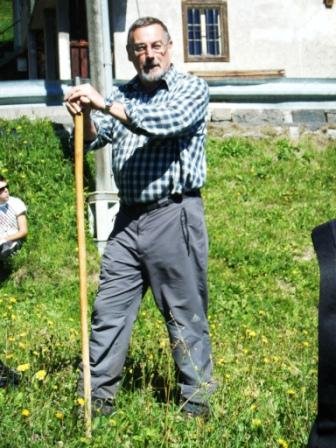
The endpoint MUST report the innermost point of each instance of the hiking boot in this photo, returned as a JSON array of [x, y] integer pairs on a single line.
[[102, 406], [8, 377], [191, 409]]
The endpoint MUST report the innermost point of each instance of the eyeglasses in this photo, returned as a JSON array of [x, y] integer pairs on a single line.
[[2, 189], [156, 47]]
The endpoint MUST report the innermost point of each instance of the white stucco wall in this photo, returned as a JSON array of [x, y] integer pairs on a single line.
[[297, 36]]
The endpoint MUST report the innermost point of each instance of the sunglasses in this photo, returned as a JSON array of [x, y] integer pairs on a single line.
[[2, 189]]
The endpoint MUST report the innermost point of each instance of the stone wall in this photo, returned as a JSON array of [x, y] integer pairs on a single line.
[[293, 121]]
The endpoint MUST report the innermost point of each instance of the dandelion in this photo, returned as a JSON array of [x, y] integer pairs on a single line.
[[25, 412], [59, 415], [256, 423], [305, 344], [251, 333], [23, 367], [80, 401], [163, 343], [40, 375], [291, 392], [282, 443], [12, 299]]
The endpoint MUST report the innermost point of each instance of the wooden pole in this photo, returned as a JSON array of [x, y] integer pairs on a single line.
[[79, 139]]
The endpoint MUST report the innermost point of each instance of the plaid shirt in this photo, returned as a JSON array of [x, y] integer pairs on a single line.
[[161, 151]]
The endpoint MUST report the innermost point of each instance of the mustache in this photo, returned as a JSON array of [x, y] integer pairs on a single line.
[[150, 64]]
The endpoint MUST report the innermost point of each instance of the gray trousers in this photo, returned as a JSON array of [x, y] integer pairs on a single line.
[[167, 250]]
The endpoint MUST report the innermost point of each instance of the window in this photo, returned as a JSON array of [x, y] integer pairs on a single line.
[[205, 30]]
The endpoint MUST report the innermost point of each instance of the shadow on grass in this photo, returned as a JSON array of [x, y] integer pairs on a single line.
[[5, 271], [139, 376]]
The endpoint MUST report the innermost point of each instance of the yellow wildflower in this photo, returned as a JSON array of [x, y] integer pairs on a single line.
[[23, 367], [256, 423], [251, 333], [282, 443], [291, 392], [163, 343], [25, 412], [40, 375], [80, 401], [59, 415]]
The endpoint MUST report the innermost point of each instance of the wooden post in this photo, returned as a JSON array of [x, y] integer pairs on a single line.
[[79, 143]]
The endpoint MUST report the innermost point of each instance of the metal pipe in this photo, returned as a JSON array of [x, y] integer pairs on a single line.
[[229, 90]]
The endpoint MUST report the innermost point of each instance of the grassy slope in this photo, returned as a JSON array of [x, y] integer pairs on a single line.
[[262, 201]]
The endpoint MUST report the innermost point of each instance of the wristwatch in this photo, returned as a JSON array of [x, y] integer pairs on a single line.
[[106, 108]]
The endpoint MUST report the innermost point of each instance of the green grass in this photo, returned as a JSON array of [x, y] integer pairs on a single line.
[[262, 199], [6, 19]]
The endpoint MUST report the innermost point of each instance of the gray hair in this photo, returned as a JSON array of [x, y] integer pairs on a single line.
[[146, 21]]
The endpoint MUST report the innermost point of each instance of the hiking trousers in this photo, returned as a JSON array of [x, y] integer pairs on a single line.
[[165, 249]]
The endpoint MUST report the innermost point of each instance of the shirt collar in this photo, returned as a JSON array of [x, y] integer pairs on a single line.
[[168, 80]]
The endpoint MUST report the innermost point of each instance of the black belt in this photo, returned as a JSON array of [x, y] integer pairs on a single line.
[[160, 203]]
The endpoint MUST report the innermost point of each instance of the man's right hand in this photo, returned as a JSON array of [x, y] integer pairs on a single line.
[[83, 98]]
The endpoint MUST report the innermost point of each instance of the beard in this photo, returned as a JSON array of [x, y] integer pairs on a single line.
[[151, 73]]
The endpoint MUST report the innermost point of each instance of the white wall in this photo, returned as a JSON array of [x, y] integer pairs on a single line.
[[297, 36]]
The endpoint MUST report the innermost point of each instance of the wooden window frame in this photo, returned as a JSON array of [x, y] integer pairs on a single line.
[[222, 6]]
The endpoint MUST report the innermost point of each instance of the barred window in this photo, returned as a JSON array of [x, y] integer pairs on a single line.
[[205, 31]]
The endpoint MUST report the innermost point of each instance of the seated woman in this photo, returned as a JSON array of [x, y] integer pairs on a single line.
[[13, 221], [13, 229]]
